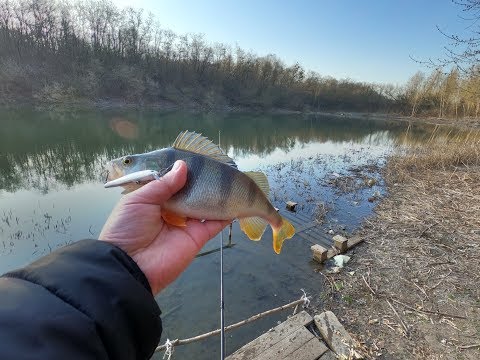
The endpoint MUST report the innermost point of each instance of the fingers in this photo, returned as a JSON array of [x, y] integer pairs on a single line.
[[158, 191], [201, 232]]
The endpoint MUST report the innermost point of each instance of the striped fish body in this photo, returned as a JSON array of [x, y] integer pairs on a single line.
[[215, 190]]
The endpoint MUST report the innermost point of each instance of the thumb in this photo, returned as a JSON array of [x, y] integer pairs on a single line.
[[158, 191]]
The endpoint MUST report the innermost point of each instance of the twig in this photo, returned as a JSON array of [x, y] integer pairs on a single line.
[[371, 290], [178, 342], [332, 286], [468, 346], [399, 318], [427, 228], [429, 311], [441, 280]]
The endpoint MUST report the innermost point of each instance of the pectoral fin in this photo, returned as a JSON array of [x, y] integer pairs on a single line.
[[174, 219], [253, 227]]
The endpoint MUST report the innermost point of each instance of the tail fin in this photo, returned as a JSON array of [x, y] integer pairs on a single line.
[[285, 231]]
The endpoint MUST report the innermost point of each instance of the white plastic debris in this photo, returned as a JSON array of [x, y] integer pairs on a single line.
[[341, 260]]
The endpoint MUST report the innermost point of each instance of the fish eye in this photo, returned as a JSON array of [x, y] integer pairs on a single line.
[[127, 160]]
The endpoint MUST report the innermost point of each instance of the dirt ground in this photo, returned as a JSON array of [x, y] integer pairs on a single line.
[[412, 289]]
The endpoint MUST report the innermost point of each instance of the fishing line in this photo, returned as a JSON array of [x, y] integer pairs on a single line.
[[222, 305]]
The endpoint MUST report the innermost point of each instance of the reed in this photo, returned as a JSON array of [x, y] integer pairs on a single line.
[[442, 149]]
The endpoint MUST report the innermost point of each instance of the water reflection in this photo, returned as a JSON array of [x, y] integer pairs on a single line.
[[51, 194], [45, 150]]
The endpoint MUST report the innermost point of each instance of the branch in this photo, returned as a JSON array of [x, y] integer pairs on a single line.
[[178, 342]]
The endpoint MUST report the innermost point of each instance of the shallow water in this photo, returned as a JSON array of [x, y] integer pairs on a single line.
[[51, 194]]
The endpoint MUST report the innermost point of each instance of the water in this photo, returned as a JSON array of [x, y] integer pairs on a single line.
[[51, 194]]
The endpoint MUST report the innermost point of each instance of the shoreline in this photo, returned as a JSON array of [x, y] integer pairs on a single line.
[[165, 106], [411, 289]]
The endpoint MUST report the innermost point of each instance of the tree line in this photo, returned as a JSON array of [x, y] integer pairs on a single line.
[[442, 94], [91, 50]]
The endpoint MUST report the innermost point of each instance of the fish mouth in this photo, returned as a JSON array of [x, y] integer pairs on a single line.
[[110, 173], [104, 174]]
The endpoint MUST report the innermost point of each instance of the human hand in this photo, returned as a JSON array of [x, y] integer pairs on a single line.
[[162, 251]]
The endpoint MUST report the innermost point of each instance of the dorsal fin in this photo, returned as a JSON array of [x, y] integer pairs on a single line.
[[191, 141], [260, 179]]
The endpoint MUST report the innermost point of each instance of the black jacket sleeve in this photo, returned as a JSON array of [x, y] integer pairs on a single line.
[[88, 300]]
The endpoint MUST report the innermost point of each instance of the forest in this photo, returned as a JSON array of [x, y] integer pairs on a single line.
[[62, 52]]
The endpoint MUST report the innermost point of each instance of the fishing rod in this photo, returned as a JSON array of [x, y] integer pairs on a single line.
[[222, 304]]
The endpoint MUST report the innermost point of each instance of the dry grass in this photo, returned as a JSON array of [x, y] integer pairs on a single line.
[[415, 293], [441, 151]]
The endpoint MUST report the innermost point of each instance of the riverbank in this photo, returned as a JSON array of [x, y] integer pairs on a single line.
[[222, 107], [411, 290]]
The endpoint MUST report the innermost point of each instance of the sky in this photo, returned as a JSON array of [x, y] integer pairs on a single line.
[[363, 40]]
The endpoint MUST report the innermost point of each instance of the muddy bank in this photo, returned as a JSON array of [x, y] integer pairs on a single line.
[[411, 290]]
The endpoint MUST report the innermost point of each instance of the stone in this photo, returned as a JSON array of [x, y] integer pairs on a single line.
[[291, 205]]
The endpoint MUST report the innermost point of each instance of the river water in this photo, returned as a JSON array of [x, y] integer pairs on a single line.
[[51, 194]]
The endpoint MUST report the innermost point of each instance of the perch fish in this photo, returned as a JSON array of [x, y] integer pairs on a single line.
[[215, 188]]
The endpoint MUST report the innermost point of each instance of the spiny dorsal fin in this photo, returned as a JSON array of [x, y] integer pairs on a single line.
[[191, 141], [260, 179]]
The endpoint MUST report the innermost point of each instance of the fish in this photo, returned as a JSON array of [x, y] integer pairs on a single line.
[[215, 188]]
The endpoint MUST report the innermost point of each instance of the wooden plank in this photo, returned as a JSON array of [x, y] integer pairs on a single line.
[[270, 338], [319, 231], [296, 222], [306, 226], [296, 217], [319, 238], [334, 334], [350, 244], [340, 242], [307, 237], [323, 240], [309, 351], [319, 253], [303, 217], [311, 231], [290, 215], [287, 345], [329, 355], [354, 241]]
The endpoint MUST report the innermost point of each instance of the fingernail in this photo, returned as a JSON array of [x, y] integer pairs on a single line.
[[176, 166]]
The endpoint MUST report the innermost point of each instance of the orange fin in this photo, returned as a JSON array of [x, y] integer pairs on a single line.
[[253, 227], [174, 219], [285, 231]]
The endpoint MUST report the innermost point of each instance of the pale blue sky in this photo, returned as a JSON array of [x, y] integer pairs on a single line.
[[364, 40]]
